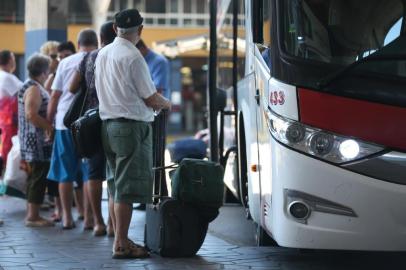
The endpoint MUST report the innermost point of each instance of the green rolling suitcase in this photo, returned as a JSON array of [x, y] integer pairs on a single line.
[[199, 182]]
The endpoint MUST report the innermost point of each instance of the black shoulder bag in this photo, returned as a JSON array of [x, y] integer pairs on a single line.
[[86, 133], [78, 104]]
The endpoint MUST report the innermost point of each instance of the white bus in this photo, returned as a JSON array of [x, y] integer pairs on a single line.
[[314, 130]]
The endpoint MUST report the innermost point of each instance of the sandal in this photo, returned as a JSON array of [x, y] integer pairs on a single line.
[[131, 252], [39, 223], [110, 231], [69, 227], [133, 244], [88, 224], [88, 228], [56, 218], [99, 231]]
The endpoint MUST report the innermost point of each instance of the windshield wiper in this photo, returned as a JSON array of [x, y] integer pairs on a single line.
[[342, 72]]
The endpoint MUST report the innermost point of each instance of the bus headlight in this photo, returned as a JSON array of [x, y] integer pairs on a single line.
[[295, 133], [349, 149], [319, 143]]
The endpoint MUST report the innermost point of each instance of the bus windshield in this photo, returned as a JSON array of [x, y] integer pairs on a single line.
[[338, 33]]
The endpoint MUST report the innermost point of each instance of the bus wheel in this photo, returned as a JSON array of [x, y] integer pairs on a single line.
[[229, 196], [247, 213], [242, 163], [262, 238]]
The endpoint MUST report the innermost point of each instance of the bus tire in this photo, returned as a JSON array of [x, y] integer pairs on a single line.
[[242, 164], [248, 213], [229, 196], [262, 238]]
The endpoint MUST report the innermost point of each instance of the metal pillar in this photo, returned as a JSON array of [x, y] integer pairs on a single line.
[[214, 148]]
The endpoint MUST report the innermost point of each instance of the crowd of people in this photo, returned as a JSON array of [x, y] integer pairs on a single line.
[[117, 78]]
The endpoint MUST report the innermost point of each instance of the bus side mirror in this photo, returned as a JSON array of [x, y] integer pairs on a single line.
[[257, 21]]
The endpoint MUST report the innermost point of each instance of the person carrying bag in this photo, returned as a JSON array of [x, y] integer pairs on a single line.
[[85, 126], [76, 108]]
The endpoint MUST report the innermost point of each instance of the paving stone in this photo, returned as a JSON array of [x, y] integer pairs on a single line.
[[17, 268], [11, 264], [16, 256], [7, 251]]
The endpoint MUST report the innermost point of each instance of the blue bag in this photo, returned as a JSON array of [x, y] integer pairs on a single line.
[[187, 148]]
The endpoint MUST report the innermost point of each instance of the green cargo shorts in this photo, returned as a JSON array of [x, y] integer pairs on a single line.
[[128, 148]]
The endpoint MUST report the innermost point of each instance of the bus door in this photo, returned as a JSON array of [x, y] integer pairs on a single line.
[[247, 122], [262, 79]]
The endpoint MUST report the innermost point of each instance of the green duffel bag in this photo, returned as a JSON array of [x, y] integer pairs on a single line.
[[199, 182]]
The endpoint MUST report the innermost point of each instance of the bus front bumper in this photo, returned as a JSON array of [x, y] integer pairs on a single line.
[[373, 215]]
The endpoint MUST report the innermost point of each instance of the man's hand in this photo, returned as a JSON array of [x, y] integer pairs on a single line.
[[158, 102], [168, 106], [53, 104]]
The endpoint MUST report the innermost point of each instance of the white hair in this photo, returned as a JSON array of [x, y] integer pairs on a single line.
[[124, 31]]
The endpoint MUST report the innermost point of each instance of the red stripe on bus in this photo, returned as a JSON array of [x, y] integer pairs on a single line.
[[373, 122]]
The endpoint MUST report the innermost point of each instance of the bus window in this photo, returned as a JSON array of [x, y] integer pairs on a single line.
[[225, 48], [394, 32], [241, 40], [335, 34], [307, 35], [267, 23]]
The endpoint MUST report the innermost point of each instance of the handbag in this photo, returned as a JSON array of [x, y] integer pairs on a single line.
[[15, 178], [86, 132], [76, 107]]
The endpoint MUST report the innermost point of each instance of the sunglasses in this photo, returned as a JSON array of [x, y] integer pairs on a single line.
[[53, 56]]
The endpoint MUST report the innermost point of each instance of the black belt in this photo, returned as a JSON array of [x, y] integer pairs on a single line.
[[122, 119], [125, 120]]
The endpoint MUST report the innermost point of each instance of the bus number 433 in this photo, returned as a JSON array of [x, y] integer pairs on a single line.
[[276, 98]]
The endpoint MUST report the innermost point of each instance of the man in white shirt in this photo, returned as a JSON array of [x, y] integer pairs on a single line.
[[65, 163], [127, 100], [9, 86]]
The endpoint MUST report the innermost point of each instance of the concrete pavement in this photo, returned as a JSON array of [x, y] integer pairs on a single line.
[[24, 248]]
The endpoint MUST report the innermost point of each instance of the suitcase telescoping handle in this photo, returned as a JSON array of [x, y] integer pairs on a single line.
[[158, 157], [158, 196], [172, 166]]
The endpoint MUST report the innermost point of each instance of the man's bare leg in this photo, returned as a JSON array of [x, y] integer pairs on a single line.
[[78, 197], [87, 209], [58, 209], [123, 213], [95, 190], [66, 195], [112, 218]]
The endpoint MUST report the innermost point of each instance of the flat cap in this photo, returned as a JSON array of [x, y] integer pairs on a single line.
[[128, 18]]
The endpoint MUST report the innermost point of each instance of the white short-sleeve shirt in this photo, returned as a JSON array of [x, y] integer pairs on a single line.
[[63, 78], [9, 84], [123, 82]]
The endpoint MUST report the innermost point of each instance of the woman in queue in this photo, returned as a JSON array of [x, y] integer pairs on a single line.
[[35, 134]]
